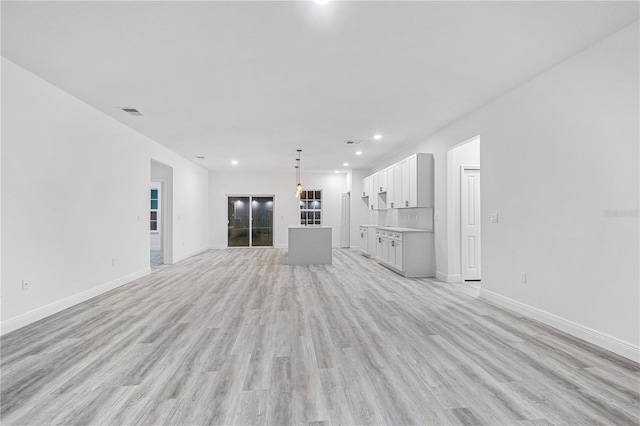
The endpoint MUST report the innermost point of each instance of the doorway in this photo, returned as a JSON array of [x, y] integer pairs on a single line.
[[250, 221], [160, 215], [344, 220], [464, 260], [156, 221]]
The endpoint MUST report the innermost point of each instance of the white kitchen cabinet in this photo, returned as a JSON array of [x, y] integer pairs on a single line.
[[407, 251], [382, 181], [379, 244], [415, 188], [397, 186], [366, 187], [368, 240], [390, 193], [364, 244], [406, 184], [398, 263], [373, 197]]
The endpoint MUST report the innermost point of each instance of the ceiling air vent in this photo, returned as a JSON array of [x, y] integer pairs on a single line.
[[131, 111], [353, 142]]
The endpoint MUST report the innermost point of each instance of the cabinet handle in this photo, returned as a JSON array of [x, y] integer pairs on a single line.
[[379, 240], [371, 206], [406, 204], [393, 243], [392, 205], [380, 189], [363, 194], [361, 235]]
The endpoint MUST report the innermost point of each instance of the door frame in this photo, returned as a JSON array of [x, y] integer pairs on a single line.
[[273, 219]]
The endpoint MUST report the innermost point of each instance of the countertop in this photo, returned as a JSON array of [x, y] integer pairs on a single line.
[[397, 229]]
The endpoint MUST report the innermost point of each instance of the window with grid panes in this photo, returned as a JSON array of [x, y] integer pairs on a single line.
[[311, 207], [153, 216]]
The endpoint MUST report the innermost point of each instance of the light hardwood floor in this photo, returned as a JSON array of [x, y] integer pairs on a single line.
[[238, 337]]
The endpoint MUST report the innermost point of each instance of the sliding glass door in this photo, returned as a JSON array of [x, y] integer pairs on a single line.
[[239, 219], [250, 221], [262, 221]]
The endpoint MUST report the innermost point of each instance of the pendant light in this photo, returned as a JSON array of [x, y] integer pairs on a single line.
[[299, 185]]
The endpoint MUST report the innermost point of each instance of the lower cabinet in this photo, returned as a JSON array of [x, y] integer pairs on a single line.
[[409, 252], [368, 240], [364, 246]]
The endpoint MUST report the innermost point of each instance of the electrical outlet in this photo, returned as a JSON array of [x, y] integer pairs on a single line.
[[523, 277], [25, 285]]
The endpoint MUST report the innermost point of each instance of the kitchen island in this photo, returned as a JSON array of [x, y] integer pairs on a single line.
[[309, 245]]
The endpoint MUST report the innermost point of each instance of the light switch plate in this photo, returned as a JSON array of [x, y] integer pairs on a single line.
[[494, 218]]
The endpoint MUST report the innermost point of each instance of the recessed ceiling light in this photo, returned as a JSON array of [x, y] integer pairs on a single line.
[[358, 152], [321, 1], [345, 164], [378, 137], [200, 157], [336, 171], [234, 162]]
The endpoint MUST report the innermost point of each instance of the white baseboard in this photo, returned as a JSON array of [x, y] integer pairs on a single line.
[[456, 278], [610, 343], [60, 305], [188, 255]]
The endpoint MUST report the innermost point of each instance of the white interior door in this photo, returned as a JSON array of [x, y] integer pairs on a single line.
[[470, 223], [344, 221]]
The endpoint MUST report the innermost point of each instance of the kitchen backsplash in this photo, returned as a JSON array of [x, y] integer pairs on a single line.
[[421, 218]]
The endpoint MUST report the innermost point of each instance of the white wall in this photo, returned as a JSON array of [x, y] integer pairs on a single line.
[[557, 152], [286, 208], [75, 200]]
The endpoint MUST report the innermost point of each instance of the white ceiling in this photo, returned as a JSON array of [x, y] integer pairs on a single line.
[[254, 81]]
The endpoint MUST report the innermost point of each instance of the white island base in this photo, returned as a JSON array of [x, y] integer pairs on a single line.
[[309, 245]]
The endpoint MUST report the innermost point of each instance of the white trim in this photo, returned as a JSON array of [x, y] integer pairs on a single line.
[[188, 255], [605, 341], [455, 278], [55, 307]]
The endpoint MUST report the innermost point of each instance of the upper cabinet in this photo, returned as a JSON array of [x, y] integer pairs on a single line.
[[373, 198], [406, 184], [366, 187]]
